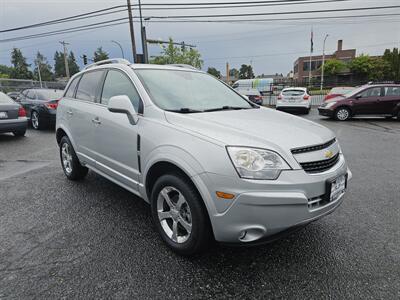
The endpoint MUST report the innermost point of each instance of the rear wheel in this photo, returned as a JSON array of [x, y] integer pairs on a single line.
[[36, 121], [342, 114], [179, 215], [69, 161]]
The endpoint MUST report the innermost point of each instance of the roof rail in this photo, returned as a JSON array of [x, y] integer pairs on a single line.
[[108, 61], [185, 66]]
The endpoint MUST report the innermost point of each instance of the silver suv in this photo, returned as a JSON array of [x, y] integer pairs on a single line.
[[212, 165]]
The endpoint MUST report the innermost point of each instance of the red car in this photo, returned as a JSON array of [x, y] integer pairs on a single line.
[[369, 100], [338, 91]]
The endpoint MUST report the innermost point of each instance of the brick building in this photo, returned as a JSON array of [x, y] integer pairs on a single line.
[[302, 64]]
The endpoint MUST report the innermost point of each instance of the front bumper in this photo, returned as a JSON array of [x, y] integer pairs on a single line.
[[262, 209], [12, 125], [325, 112]]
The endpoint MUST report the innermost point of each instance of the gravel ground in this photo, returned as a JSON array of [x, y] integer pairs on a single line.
[[60, 239]]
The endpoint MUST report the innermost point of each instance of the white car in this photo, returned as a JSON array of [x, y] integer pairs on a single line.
[[294, 99]]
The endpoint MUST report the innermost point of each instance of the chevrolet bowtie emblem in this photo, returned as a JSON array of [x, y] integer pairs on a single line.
[[328, 154]]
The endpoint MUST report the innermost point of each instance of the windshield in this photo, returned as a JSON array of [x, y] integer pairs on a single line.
[[293, 92], [188, 91], [49, 94]]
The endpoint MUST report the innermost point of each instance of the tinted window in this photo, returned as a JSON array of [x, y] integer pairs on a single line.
[[293, 92], [116, 84], [392, 91], [372, 92], [49, 94], [88, 86], [71, 89], [4, 99]]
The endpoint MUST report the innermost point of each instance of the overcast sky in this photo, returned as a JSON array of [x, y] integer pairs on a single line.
[[271, 47]]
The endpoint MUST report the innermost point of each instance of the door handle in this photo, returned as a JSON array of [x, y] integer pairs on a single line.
[[378, 100], [70, 112], [96, 121]]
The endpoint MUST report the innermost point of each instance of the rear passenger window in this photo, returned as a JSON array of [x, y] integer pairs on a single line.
[[88, 87], [392, 91], [371, 92], [71, 89], [117, 84]]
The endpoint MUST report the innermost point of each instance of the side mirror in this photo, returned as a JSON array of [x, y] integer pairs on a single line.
[[122, 105]]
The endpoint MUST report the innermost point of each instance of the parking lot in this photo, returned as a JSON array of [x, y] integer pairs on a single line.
[[93, 239]]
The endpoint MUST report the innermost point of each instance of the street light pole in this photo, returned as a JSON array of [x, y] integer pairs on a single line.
[[39, 74], [323, 63], [120, 47]]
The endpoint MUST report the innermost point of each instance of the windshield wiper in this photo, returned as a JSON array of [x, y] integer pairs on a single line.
[[185, 110], [226, 107]]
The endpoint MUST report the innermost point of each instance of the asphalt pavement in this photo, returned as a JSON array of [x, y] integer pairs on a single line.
[[93, 239]]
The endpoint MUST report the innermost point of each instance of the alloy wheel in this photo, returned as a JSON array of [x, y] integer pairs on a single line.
[[174, 214], [35, 120], [342, 114], [66, 158]]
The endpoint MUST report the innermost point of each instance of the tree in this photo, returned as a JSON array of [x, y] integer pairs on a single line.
[[59, 64], [214, 72], [172, 54], [45, 69], [5, 71], [100, 54], [20, 66], [361, 66], [333, 67], [393, 60], [234, 73], [246, 72]]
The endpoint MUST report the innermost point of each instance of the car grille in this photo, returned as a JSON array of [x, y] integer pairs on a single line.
[[321, 165], [313, 148]]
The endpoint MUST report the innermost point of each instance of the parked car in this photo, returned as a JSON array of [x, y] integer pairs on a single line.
[[368, 100], [338, 91], [251, 94], [294, 99], [13, 95], [192, 148], [41, 106], [12, 116]]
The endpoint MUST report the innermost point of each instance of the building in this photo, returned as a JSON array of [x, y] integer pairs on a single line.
[[302, 64]]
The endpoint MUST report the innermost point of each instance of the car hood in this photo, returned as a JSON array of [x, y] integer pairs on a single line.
[[263, 127]]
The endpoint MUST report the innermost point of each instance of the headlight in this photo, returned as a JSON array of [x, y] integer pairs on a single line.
[[254, 163], [330, 104]]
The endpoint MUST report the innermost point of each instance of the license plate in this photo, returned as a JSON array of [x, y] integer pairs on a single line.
[[338, 187], [3, 115]]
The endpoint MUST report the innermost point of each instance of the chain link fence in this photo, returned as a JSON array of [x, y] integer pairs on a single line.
[[18, 85]]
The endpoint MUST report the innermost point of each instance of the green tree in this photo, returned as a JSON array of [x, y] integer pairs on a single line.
[[59, 64], [172, 54], [214, 72], [246, 72], [45, 69], [393, 60], [234, 73], [381, 69], [20, 66], [362, 66], [333, 67], [100, 54], [5, 71]]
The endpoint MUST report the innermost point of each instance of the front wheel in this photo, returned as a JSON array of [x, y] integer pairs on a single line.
[[69, 161], [342, 114], [179, 215]]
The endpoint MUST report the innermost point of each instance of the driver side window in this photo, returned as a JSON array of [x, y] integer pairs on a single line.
[[371, 92]]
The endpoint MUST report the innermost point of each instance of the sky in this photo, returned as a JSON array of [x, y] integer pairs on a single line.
[[270, 47]]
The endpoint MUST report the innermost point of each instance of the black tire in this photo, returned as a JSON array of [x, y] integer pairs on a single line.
[[76, 170], [39, 125], [19, 133], [342, 114], [201, 233]]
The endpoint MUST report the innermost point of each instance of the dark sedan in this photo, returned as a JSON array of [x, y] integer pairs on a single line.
[[41, 106], [369, 100], [12, 116]]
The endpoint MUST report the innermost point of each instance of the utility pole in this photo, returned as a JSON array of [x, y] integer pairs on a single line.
[[227, 73], [323, 62], [143, 36], [132, 31], [40, 75], [65, 58]]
